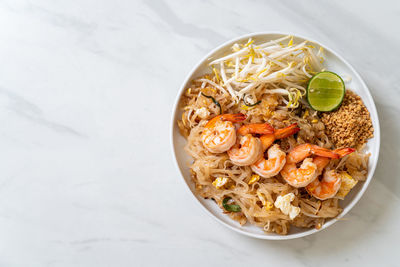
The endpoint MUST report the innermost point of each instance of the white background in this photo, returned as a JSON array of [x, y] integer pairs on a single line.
[[86, 95]]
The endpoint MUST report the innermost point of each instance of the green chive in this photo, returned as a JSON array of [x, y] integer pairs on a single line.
[[215, 102], [230, 207]]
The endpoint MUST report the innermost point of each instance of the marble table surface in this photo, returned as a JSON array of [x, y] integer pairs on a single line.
[[86, 94]]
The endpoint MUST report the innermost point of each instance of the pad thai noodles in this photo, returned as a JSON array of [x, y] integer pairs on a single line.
[[259, 150]]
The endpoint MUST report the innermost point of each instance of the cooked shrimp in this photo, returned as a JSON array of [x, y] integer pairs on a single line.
[[331, 181], [271, 166], [219, 133], [307, 172], [327, 187], [246, 152], [276, 157]]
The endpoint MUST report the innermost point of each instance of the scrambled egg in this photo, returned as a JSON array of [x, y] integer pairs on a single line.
[[283, 203], [347, 184], [202, 112], [220, 182], [267, 205], [254, 178]]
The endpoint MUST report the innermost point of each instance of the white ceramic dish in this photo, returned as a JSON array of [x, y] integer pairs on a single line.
[[333, 62]]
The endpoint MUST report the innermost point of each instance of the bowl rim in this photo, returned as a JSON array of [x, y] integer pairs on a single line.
[[373, 112]]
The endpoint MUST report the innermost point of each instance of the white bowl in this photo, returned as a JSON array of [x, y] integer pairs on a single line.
[[333, 62]]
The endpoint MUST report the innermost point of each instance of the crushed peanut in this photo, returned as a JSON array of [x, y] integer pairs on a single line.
[[350, 125]]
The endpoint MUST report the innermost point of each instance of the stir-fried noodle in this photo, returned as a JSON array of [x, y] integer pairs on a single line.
[[267, 83]]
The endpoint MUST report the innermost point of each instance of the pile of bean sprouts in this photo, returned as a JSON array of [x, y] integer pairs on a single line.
[[271, 67]]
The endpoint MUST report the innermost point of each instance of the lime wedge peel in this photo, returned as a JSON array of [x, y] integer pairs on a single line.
[[325, 91]]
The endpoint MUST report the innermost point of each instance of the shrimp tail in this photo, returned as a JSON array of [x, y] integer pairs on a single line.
[[268, 139], [286, 132], [233, 117], [256, 128], [324, 152], [344, 151], [322, 162]]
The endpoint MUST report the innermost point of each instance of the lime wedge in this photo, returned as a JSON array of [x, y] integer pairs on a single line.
[[325, 91]]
